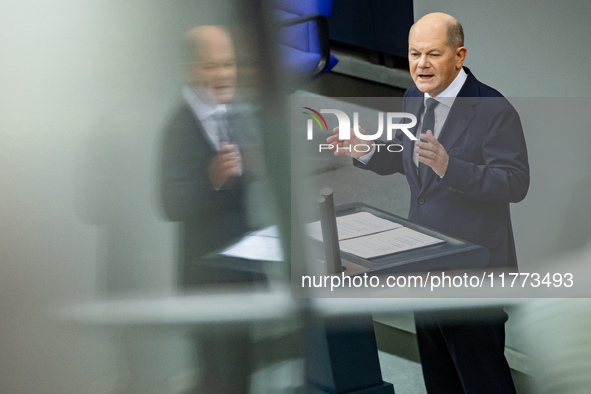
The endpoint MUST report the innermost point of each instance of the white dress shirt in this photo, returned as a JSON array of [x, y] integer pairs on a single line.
[[205, 111]]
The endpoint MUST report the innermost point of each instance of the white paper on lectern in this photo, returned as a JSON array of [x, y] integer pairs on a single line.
[[354, 225], [270, 231], [387, 242], [262, 245]]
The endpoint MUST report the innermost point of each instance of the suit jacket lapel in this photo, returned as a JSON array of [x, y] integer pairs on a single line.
[[459, 118], [461, 113]]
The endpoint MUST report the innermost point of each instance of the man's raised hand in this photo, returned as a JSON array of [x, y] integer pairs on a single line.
[[347, 146]]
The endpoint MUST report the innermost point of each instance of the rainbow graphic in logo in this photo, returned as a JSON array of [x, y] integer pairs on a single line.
[[316, 119]]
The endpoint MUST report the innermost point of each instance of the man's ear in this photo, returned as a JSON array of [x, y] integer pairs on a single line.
[[460, 57]]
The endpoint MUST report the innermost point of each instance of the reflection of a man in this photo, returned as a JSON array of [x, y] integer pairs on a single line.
[[202, 176], [203, 187]]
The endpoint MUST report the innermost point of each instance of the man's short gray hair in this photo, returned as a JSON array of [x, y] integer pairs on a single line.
[[455, 35]]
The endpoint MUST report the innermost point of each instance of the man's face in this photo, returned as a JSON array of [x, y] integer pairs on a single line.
[[433, 64], [215, 70]]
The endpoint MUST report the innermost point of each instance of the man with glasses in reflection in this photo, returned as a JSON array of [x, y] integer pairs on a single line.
[[203, 186]]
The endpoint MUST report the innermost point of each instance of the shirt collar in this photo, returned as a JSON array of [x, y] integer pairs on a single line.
[[199, 103], [448, 96]]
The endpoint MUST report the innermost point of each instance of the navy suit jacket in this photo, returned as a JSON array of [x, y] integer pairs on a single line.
[[488, 169]]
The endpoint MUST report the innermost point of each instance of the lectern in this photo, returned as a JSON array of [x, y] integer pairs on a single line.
[[341, 354]]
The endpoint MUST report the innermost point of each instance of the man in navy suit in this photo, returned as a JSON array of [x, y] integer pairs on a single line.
[[469, 164], [203, 182]]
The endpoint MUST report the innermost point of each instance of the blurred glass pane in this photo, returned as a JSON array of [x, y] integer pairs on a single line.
[[89, 91]]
